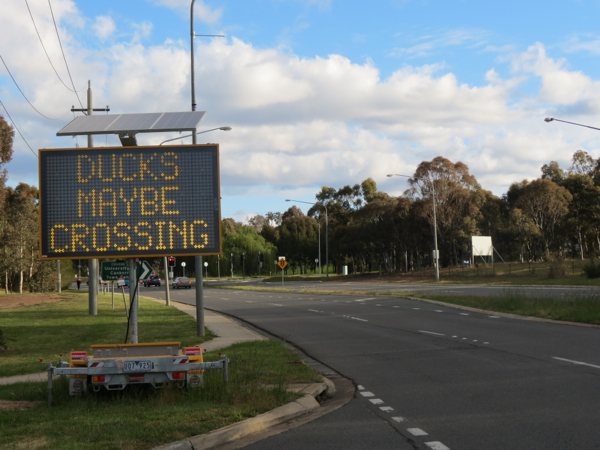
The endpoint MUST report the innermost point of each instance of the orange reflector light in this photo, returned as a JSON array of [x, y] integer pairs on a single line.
[[178, 376], [99, 379]]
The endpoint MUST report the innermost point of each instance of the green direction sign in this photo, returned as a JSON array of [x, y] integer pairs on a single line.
[[112, 271], [142, 270]]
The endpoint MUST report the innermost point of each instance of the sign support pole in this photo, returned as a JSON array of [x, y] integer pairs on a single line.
[[167, 296], [133, 282]]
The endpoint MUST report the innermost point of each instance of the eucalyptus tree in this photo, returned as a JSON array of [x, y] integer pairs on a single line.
[[6, 152], [458, 200], [546, 203]]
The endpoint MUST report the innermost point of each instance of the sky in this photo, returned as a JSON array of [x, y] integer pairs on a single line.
[[317, 92]]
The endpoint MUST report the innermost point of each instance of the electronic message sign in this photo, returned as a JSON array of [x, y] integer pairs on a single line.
[[129, 201]]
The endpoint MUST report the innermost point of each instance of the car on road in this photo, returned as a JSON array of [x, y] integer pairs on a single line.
[[152, 280], [182, 282]]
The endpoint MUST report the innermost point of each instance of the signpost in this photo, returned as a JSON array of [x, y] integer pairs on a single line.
[[112, 271], [282, 265]]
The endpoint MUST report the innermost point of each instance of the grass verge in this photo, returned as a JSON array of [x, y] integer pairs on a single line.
[[582, 307], [139, 417], [46, 330]]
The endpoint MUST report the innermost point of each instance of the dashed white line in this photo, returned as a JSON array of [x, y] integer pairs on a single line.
[[579, 363], [417, 432], [431, 332], [398, 419], [364, 299], [362, 320], [314, 310], [376, 401], [367, 394], [386, 408], [436, 445]]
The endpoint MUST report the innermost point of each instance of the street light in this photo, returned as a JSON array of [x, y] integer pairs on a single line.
[[199, 132], [437, 261], [551, 119], [326, 235]]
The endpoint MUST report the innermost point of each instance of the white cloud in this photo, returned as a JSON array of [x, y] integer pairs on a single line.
[[301, 123], [104, 27], [201, 10]]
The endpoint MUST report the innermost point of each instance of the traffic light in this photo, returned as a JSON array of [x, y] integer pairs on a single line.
[[171, 261], [217, 263]]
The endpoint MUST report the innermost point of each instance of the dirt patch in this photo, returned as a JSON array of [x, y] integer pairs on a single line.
[[7, 405], [18, 300]]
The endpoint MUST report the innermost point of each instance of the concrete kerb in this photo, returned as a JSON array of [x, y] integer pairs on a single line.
[[262, 422]]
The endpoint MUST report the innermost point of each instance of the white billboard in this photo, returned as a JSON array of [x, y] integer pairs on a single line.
[[482, 245]]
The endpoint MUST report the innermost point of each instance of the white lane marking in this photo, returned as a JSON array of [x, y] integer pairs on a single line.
[[416, 309], [464, 314], [377, 305], [398, 419], [248, 301], [579, 363], [438, 310], [362, 320], [314, 310], [360, 387], [367, 394], [436, 445], [417, 432], [376, 401], [386, 408], [431, 332], [364, 299], [494, 317], [396, 307]]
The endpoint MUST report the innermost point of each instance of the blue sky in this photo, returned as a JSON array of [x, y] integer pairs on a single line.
[[319, 92]]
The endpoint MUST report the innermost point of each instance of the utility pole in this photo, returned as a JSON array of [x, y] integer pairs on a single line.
[[198, 259], [93, 263]]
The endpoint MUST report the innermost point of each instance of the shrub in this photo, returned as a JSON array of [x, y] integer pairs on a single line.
[[592, 269], [557, 266]]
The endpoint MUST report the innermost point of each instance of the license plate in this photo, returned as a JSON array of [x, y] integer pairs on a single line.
[[137, 366]]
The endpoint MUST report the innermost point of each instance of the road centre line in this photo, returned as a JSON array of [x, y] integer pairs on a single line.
[[364, 299], [431, 332], [579, 363], [417, 432], [436, 445]]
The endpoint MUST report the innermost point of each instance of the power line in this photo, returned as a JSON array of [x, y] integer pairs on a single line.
[[45, 51], [17, 128], [63, 53], [30, 104]]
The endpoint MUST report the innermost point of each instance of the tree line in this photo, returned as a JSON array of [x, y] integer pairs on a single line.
[[366, 229], [369, 230]]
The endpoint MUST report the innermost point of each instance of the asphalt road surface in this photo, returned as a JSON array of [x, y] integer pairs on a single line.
[[430, 376]]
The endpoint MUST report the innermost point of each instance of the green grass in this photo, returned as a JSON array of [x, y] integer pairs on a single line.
[[46, 330], [142, 418], [582, 307], [139, 417]]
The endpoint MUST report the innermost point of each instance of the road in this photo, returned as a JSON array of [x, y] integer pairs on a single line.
[[425, 288], [430, 376]]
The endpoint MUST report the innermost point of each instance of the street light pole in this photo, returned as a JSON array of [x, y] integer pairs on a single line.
[[552, 119], [326, 234], [437, 261]]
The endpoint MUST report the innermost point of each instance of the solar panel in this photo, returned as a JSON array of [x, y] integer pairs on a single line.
[[133, 123]]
